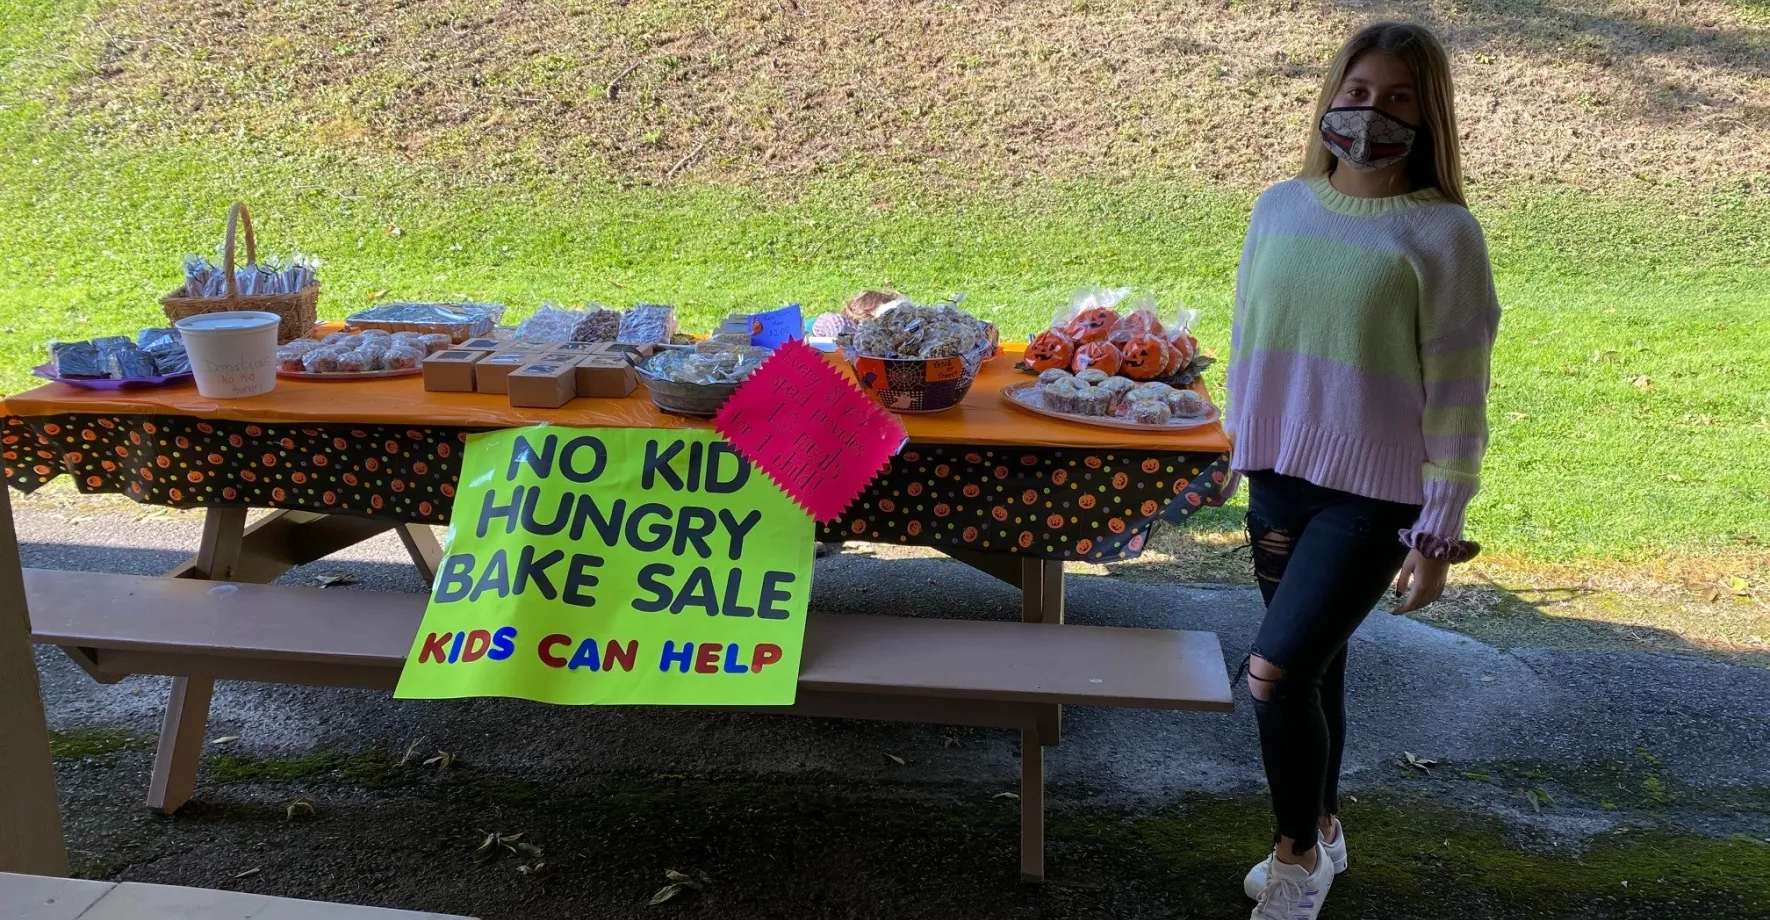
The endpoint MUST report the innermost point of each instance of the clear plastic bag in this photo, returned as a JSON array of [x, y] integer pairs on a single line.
[[550, 325], [1088, 301]]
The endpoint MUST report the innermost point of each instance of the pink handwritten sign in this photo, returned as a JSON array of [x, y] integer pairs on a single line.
[[813, 432]]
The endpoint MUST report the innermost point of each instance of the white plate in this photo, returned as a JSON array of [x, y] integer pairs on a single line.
[[1026, 396]]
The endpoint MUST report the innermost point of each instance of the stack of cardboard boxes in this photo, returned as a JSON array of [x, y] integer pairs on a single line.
[[533, 376]]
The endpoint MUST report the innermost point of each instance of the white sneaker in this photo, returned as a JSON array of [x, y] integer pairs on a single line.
[[1335, 852], [1294, 893]]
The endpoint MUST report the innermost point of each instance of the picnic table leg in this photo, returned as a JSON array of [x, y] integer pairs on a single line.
[[421, 545], [1041, 601], [31, 840], [187, 709], [1032, 808]]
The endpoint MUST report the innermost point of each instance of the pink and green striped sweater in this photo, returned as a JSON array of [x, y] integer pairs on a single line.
[[1361, 344]]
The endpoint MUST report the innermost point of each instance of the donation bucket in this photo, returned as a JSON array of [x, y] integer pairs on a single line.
[[233, 354]]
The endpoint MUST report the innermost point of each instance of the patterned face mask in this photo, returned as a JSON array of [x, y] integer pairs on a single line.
[[1366, 137]]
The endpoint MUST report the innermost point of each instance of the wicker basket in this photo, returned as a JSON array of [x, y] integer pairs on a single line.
[[299, 310]]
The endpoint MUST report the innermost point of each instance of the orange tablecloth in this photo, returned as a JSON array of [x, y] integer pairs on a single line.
[[984, 418]]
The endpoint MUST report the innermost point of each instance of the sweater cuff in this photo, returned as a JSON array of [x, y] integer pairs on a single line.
[[1442, 515]]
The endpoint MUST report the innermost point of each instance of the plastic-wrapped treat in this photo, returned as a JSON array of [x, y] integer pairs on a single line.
[[1188, 404], [410, 338], [166, 348], [602, 325], [832, 325], [1149, 412], [1118, 387], [335, 338], [1093, 376], [646, 324], [1093, 402], [401, 357], [549, 325], [352, 362], [1060, 395], [75, 359], [299, 347], [320, 361], [129, 363], [376, 334], [376, 347], [1055, 374], [291, 364], [434, 342]]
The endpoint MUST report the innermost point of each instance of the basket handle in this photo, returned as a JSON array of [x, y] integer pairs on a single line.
[[235, 215]]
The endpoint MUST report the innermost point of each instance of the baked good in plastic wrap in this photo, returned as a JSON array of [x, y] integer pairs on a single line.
[[599, 325], [550, 325], [647, 324], [909, 330], [706, 363], [458, 321]]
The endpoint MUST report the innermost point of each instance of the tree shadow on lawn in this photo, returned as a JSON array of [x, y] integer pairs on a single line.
[[1603, 39]]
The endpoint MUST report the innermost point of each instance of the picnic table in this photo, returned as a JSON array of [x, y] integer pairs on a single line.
[[337, 463]]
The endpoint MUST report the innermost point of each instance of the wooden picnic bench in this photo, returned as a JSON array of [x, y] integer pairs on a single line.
[[959, 672]]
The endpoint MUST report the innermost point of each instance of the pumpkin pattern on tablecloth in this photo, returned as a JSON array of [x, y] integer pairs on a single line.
[[1050, 503]]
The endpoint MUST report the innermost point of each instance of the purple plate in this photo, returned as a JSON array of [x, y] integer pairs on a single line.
[[47, 372]]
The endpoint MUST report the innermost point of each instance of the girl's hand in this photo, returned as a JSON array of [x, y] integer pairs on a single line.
[[1420, 583]]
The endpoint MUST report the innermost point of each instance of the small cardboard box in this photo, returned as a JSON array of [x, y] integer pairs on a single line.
[[554, 356], [483, 344], [490, 373], [542, 386], [581, 348], [605, 377], [450, 371]]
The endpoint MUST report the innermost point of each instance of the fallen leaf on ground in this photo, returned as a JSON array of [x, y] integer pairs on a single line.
[[442, 761], [303, 804], [1418, 763], [249, 873], [411, 752], [343, 578], [1006, 795], [665, 893], [895, 759], [1539, 800], [226, 739]]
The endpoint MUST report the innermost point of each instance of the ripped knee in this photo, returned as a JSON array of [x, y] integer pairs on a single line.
[[1263, 678], [1271, 550]]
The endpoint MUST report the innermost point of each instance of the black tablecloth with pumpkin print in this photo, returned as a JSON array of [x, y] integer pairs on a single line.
[[1045, 502]]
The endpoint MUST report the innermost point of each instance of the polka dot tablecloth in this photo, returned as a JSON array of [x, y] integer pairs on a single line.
[[1050, 503]]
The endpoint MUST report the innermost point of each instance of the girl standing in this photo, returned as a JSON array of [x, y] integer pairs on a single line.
[[1365, 317]]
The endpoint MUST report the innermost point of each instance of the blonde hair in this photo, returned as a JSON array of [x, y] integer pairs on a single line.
[[1437, 157]]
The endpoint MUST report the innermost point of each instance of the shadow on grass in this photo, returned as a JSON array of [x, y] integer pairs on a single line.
[[1212, 550], [1610, 38]]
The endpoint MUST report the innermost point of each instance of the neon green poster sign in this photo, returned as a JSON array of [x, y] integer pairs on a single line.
[[615, 565]]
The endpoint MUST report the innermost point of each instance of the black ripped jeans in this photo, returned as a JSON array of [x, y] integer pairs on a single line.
[[1323, 558]]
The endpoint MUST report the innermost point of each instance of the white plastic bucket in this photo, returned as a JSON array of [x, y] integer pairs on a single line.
[[233, 354]]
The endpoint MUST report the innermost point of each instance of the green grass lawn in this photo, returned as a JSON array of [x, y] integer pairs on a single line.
[[1633, 369]]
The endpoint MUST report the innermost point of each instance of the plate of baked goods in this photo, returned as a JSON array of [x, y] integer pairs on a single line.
[[358, 356], [1094, 398]]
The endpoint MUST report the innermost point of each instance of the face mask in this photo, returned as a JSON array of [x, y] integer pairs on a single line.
[[1366, 137]]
